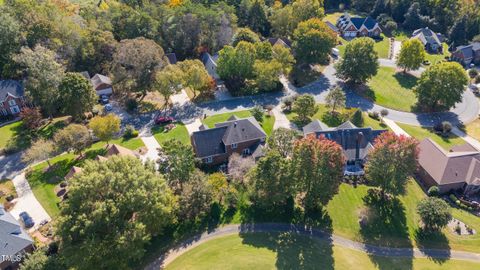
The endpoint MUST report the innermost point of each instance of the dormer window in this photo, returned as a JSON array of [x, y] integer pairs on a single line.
[[234, 145], [209, 160], [12, 102]]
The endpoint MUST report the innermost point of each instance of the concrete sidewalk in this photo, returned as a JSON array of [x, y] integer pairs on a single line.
[[281, 120], [395, 128], [470, 140]]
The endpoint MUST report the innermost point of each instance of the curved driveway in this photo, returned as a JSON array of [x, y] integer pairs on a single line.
[[185, 246]]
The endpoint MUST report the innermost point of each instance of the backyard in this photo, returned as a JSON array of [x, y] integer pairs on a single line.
[[422, 133], [43, 182], [292, 251], [267, 123], [392, 89]]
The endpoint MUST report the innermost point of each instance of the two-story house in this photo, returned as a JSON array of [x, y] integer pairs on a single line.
[[11, 97], [468, 54], [215, 145], [431, 40], [350, 27]]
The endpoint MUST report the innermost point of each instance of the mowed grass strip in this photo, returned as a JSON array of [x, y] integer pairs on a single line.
[[291, 251], [393, 89], [422, 133], [266, 124]]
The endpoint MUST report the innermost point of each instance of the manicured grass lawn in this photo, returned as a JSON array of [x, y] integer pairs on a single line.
[[16, 134], [6, 189], [434, 58], [473, 129], [421, 133], [290, 251], [267, 123], [43, 182], [179, 133], [381, 47], [401, 231], [393, 90]]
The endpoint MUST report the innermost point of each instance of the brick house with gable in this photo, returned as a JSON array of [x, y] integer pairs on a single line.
[[12, 98]]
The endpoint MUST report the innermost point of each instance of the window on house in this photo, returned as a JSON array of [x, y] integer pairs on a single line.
[[12, 102], [234, 145], [15, 109], [246, 151], [209, 160]]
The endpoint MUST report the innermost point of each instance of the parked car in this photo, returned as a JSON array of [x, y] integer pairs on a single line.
[[108, 107], [163, 120], [27, 220], [103, 99]]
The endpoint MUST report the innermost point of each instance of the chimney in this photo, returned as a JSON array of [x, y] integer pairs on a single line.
[[357, 145], [235, 124]]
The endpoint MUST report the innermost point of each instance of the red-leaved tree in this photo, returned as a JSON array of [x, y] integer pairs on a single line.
[[317, 167], [392, 161]]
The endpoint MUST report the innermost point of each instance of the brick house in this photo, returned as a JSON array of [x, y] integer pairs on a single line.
[[213, 146], [458, 169], [466, 55], [350, 27], [11, 97]]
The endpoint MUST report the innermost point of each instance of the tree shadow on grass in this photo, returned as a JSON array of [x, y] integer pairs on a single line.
[[434, 245], [385, 225], [406, 80]]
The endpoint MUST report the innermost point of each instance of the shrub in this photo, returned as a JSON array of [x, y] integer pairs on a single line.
[[446, 127], [10, 198], [384, 112], [453, 198], [357, 118], [433, 191], [257, 113], [131, 104], [130, 132], [472, 73], [374, 115]]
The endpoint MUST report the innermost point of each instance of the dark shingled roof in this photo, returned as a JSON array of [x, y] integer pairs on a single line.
[[468, 50], [13, 238], [209, 142], [369, 23], [314, 126], [348, 136], [10, 87], [357, 22], [332, 26], [212, 141], [172, 58], [427, 36]]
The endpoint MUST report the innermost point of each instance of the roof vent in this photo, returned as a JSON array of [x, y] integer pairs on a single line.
[[235, 124]]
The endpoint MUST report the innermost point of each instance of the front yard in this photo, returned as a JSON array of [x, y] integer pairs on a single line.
[[382, 47], [434, 58], [267, 123], [6, 189], [43, 182], [422, 133], [179, 133], [392, 89]]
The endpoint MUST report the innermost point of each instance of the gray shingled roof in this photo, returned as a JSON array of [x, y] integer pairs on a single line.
[[314, 126], [10, 87], [99, 79], [427, 36], [241, 130], [13, 238], [172, 58], [209, 142]]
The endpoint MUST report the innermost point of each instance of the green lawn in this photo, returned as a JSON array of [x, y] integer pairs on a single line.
[[16, 135], [267, 123], [434, 58], [393, 90], [43, 183], [291, 251], [179, 133], [381, 47], [421, 133]]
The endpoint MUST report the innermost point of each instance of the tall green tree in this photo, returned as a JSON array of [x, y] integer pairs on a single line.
[[196, 77], [441, 86], [177, 163], [168, 82], [392, 162], [336, 99], [245, 34], [195, 198], [10, 35], [76, 94], [73, 137], [44, 77], [270, 181], [257, 18], [434, 212], [317, 167], [305, 107], [411, 54], [40, 150], [360, 61], [284, 56], [113, 209], [135, 62], [235, 65], [105, 127], [313, 41], [267, 75], [282, 140]]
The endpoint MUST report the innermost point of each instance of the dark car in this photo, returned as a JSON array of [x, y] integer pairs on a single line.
[[163, 120], [103, 99], [27, 220]]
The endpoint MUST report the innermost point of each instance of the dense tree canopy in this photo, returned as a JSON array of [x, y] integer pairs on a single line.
[[77, 95], [434, 212], [73, 137], [112, 232], [105, 127], [441, 86], [360, 61], [313, 41]]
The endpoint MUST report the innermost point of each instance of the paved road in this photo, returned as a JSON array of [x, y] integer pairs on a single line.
[[11, 165], [183, 247]]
